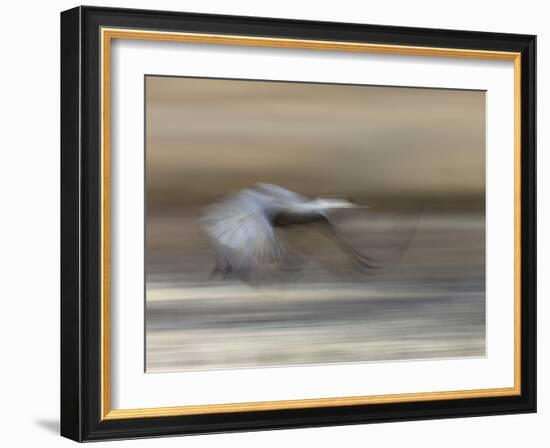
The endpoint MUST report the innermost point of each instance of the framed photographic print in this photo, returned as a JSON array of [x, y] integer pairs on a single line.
[[273, 223]]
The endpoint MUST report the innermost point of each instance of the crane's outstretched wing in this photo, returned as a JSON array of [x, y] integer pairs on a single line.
[[360, 259], [243, 237]]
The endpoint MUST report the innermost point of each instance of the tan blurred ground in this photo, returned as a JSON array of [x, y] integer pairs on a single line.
[[207, 137]]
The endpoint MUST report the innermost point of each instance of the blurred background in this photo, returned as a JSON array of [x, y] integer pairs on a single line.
[[417, 156]]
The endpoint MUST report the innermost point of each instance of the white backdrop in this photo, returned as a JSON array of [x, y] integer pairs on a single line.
[[30, 236], [132, 388]]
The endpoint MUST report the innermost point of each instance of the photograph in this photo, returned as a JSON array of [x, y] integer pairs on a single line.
[[289, 220], [300, 223]]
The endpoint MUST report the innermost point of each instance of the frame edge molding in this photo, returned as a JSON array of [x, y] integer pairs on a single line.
[[83, 416]]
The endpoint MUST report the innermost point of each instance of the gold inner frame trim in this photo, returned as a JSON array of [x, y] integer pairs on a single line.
[[107, 35]]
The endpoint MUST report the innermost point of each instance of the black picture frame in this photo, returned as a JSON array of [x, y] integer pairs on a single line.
[[81, 413]]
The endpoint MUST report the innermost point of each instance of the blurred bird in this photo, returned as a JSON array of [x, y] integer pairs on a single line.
[[241, 229]]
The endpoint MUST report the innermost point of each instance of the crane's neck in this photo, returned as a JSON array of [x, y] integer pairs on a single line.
[[332, 203], [305, 212]]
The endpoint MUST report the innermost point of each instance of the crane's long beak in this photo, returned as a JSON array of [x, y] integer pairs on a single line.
[[349, 205], [352, 205]]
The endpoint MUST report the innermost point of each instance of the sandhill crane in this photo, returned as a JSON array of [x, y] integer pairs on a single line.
[[241, 229]]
